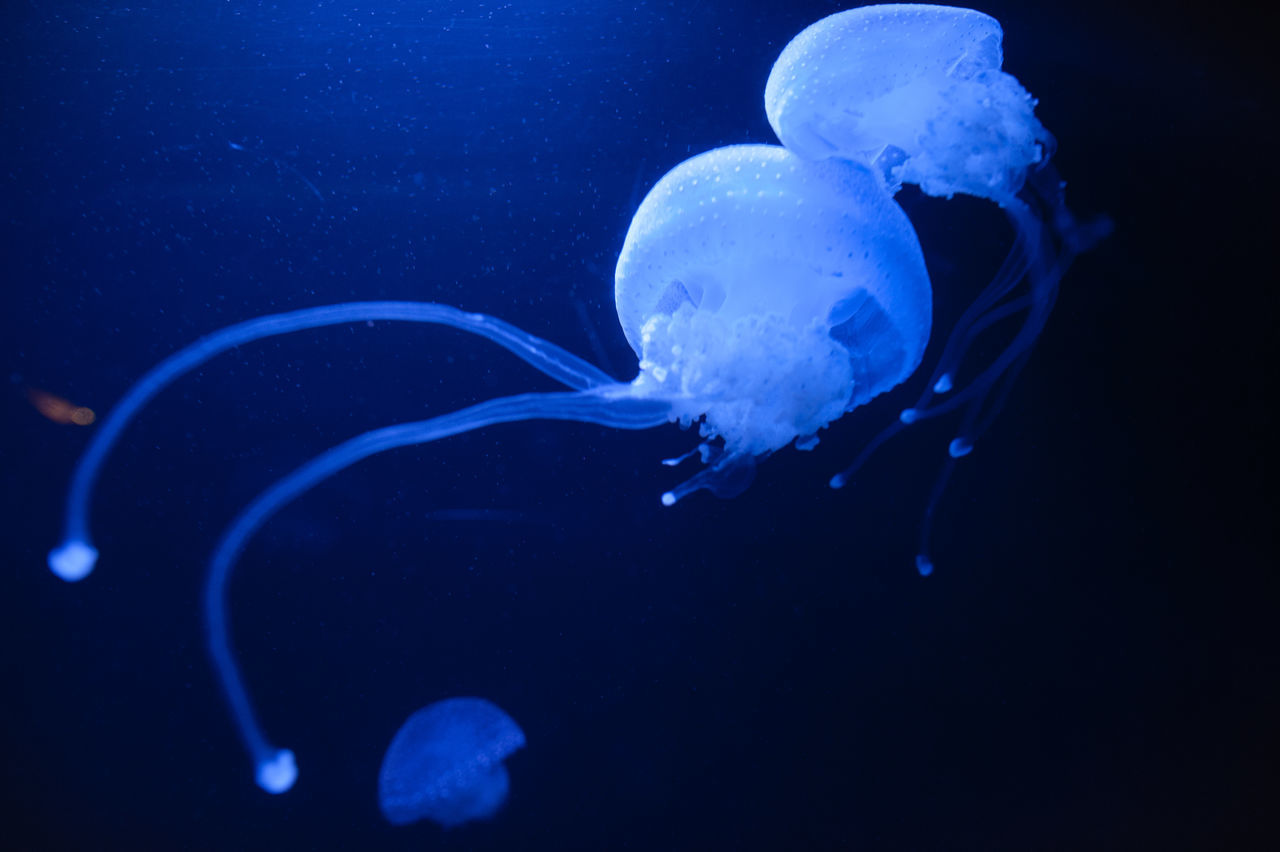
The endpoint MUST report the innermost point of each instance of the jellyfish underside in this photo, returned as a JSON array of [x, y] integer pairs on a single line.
[[766, 291]]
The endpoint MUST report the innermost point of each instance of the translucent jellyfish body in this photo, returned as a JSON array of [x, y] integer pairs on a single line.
[[445, 764], [916, 92], [770, 294], [915, 89]]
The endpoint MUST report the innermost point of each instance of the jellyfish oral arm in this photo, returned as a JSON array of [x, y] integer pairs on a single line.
[[612, 406], [74, 558]]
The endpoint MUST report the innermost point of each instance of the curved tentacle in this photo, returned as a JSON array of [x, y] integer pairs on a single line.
[[1047, 239], [75, 556], [613, 406]]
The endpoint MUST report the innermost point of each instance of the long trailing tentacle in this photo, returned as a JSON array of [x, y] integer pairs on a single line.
[[75, 556], [1047, 239], [613, 406]]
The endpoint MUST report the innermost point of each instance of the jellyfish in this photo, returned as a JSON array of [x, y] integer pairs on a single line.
[[917, 92], [766, 292], [445, 763]]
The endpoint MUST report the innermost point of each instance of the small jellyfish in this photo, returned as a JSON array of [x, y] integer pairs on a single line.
[[445, 763]]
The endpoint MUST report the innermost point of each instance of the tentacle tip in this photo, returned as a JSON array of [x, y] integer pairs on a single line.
[[943, 384], [959, 448], [924, 565], [277, 773], [909, 415], [669, 498], [73, 560]]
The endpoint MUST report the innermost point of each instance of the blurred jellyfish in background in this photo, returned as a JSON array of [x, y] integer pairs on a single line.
[[445, 764]]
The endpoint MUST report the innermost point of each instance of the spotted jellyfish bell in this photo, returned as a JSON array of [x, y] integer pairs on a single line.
[[914, 89], [768, 296]]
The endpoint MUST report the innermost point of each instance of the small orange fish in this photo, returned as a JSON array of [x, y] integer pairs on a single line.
[[60, 410]]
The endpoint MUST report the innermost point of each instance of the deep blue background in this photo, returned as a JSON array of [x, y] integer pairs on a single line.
[[1091, 666]]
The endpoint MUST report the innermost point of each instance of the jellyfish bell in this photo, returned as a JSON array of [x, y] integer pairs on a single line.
[[445, 764], [915, 89], [769, 295]]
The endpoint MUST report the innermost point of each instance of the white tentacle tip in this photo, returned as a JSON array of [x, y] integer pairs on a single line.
[[278, 774], [73, 560]]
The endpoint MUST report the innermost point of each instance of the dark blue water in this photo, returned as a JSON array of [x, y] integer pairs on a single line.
[[1087, 668]]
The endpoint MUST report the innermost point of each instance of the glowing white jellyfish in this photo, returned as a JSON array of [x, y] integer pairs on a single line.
[[917, 92], [915, 89], [766, 291]]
